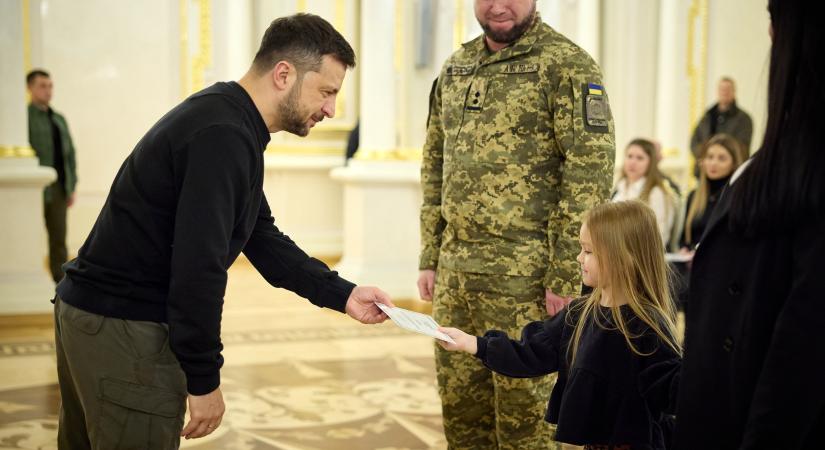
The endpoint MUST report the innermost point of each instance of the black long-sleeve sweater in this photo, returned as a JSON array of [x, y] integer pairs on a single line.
[[610, 396], [184, 204]]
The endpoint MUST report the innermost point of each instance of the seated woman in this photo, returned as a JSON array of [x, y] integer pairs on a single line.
[[718, 159], [642, 180]]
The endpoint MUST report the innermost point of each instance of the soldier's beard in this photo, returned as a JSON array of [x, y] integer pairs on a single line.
[[511, 35], [292, 118]]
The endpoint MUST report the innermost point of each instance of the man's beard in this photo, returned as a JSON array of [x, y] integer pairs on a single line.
[[511, 35], [292, 120]]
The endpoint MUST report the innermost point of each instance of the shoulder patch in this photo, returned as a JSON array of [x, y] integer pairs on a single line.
[[460, 70], [595, 108], [520, 68]]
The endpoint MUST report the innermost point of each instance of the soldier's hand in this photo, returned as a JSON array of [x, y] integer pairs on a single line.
[[361, 304], [555, 303], [426, 284], [205, 414], [463, 342]]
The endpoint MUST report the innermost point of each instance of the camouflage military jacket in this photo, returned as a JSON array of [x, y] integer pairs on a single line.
[[519, 145]]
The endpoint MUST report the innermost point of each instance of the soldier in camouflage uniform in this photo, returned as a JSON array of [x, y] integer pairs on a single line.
[[519, 145]]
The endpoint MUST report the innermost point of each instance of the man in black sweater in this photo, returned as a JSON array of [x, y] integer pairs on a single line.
[[138, 314]]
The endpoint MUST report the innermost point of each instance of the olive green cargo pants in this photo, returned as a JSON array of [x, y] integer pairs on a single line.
[[481, 409], [121, 386]]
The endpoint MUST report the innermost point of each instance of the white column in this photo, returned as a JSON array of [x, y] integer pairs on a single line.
[[629, 63], [578, 20], [381, 192], [673, 91], [25, 286], [233, 40], [378, 76], [588, 27]]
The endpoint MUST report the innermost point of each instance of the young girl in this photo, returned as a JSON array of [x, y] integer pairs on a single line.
[[642, 180], [615, 351]]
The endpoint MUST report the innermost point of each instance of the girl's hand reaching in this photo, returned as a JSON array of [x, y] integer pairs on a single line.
[[463, 341]]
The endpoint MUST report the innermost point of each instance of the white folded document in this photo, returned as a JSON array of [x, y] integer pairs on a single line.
[[678, 257], [413, 321]]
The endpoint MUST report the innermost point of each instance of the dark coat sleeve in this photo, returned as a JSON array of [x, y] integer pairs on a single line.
[[536, 354], [683, 242], [789, 399]]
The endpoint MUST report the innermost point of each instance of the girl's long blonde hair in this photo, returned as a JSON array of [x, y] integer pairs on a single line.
[[700, 198], [631, 262]]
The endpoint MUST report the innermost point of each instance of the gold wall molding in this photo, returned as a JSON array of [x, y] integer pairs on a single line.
[[398, 35], [306, 150], [184, 47], [458, 24], [16, 151], [193, 67], [27, 39], [697, 57], [27, 44], [398, 154]]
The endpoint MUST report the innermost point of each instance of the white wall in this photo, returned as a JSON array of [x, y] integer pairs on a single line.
[[738, 31], [629, 55], [644, 59], [116, 68], [115, 72]]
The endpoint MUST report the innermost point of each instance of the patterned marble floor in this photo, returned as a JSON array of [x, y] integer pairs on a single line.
[[295, 378]]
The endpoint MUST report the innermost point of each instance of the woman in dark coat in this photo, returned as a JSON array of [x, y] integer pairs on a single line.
[[753, 375]]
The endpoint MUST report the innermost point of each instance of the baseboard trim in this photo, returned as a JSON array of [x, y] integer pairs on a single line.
[[26, 320]]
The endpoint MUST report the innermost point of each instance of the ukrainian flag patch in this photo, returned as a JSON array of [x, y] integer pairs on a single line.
[[595, 89], [595, 109]]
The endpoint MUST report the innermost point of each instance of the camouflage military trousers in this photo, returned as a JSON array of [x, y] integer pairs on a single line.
[[481, 409]]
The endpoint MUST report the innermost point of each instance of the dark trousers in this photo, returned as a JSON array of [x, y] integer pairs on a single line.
[[120, 384], [54, 212]]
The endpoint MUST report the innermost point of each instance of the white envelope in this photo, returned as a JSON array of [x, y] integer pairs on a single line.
[[414, 321]]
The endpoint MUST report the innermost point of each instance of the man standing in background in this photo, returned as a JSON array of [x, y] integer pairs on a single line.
[[519, 145], [723, 117], [49, 137]]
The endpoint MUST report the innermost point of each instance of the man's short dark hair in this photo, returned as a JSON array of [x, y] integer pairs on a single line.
[[302, 40], [34, 74]]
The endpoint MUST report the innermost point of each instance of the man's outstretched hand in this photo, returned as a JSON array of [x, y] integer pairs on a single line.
[[361, 304]]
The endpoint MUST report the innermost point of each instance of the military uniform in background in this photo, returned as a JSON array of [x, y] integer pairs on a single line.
[[519, 145]]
